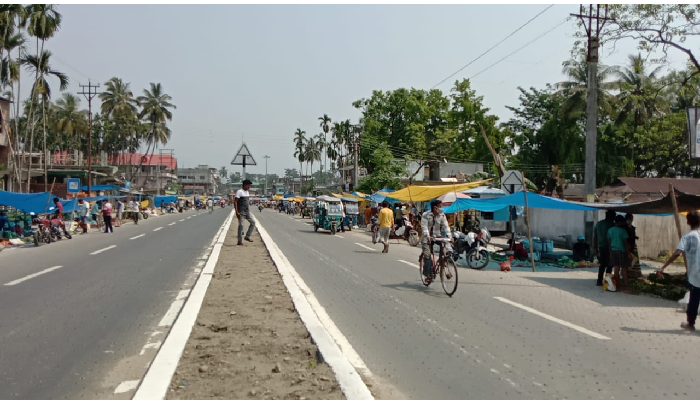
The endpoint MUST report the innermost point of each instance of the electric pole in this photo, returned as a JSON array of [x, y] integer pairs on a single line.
[[265, 192], [89, 96], [356, 155], [593, 23]]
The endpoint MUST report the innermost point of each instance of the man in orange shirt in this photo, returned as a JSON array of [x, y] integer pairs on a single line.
[[386, 222], [368, 214]]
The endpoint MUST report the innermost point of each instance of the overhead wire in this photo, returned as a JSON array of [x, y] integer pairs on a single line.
[[494, 46]]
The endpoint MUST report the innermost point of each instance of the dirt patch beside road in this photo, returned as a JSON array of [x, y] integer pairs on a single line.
[[248, 341]]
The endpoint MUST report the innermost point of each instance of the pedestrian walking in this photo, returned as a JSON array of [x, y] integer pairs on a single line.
[[243, 212], [83, 211], [620, 254], [689, 246], [386, 222], [107, 216], [601, 248], [95, 210], [120, 211]]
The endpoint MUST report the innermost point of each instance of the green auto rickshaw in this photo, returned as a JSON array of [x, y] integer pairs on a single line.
[[328, 214]]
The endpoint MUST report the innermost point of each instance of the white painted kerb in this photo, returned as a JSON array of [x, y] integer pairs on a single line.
[[157, 380], [350, 381]]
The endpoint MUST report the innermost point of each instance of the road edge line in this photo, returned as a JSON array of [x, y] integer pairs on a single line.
[[351, 383], [156, 382]]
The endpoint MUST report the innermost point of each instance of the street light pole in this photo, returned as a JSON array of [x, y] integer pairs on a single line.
[[265, 192]]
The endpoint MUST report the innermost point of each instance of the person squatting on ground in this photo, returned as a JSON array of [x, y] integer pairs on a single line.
[[433, 225], [243, 212]]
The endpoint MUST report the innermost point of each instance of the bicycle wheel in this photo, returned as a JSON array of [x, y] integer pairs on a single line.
[[448, 276]]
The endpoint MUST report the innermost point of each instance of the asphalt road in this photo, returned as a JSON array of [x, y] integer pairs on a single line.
[[77, 313], [502, 336]]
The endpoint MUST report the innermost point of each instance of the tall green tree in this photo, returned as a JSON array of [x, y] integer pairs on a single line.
[[386, 173], [312, 152], [299, 148], [156, 111], [71, 121], [576, 88], [325, 125]]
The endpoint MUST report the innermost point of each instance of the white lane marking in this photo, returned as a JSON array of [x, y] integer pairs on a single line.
[[160, 372], [174, 309], [101, 250], [189, 217], [157, 229], [366, 247], [28, 277], [409, 263], [182, 220], [338, 352], [553, 319], [338, 236], [137, 236], [126, 386], [172, 223]]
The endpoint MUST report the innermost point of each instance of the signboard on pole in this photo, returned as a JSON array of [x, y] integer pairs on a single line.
[[512, 182], [243, 158], [73, 185], [693, 128]]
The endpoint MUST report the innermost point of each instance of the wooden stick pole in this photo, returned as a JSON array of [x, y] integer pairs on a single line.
[[527, 222], [677, 218]]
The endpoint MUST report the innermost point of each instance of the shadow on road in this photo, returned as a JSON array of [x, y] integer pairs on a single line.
[[678, 332], [416, 287], [586, 288]]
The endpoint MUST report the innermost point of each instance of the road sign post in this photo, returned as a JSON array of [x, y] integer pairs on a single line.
[[73, 185], [243, 158]]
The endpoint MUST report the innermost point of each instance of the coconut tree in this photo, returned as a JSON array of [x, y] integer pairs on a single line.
[[119, 104], [42, 23], [70, 120], [576, 88], [155, 110], [325, 124], [299, 138], [312, 151]]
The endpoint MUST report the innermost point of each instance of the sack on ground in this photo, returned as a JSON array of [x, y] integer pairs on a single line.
[[609, 283]]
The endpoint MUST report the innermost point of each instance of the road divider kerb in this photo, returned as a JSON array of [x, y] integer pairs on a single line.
[[156, 382], [336, 350]]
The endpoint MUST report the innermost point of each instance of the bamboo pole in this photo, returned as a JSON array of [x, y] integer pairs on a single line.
[[677, 218], [527, 222]]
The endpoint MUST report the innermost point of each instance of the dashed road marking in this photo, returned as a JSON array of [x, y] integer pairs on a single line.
[[172, 223], [105, 249], [182, 220], [414, 265], [338, 236], [28, 277], [365, 247], [154, 345], [157, 229], [137, 236], [553, 319], [126, 386]]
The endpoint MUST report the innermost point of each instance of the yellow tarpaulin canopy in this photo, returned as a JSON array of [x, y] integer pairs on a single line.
[[425, 193], [277, 197]]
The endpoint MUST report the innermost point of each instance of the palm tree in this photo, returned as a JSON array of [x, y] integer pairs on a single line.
[[41, 90], [325, 124], [119, 104], [70, 120], [576, 88], [155, 109], [299, 138], [43, 22], [312, 152]]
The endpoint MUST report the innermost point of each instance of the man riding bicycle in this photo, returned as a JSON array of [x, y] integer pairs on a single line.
[[434, 225]]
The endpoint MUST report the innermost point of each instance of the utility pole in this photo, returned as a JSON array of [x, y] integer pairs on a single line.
[[265, 192], [593, 23], [91, 93], [356, 155]]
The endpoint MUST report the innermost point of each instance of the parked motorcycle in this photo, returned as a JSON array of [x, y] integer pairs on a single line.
[[41, 228], [58, 229], [473, 246], [406, 232]]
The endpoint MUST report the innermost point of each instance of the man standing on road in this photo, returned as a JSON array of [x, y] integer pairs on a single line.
[[433, 223], [689, 246], [107, 216], [83, 211], [210, 205], [601, 249], [120, 211], [386, 222], [243, 212]]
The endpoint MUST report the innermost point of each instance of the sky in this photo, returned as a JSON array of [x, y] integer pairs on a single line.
[[257, 73]]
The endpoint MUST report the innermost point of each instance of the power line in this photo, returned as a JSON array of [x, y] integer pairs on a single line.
[[517, 50], [494, 46]]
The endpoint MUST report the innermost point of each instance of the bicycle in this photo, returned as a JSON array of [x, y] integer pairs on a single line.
[[444, 267]]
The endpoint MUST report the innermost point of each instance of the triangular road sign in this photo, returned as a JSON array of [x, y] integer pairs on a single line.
[[243, 157]]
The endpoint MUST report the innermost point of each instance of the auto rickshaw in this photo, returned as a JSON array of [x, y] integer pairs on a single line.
[[328, 213], [308, 207], [352, 211]]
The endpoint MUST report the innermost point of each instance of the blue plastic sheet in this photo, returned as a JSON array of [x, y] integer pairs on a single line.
[[517, 199], [27, 202]]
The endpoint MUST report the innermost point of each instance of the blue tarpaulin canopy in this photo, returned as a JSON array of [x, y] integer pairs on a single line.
[[27, 202], [517, 199], [166, 199]]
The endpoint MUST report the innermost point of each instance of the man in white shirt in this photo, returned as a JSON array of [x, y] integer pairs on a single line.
[[433, 224], [689, 246], [210, 205], [243, 212]]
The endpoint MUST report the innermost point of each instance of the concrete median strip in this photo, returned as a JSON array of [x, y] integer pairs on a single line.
[[327, 336], [157, 380]]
